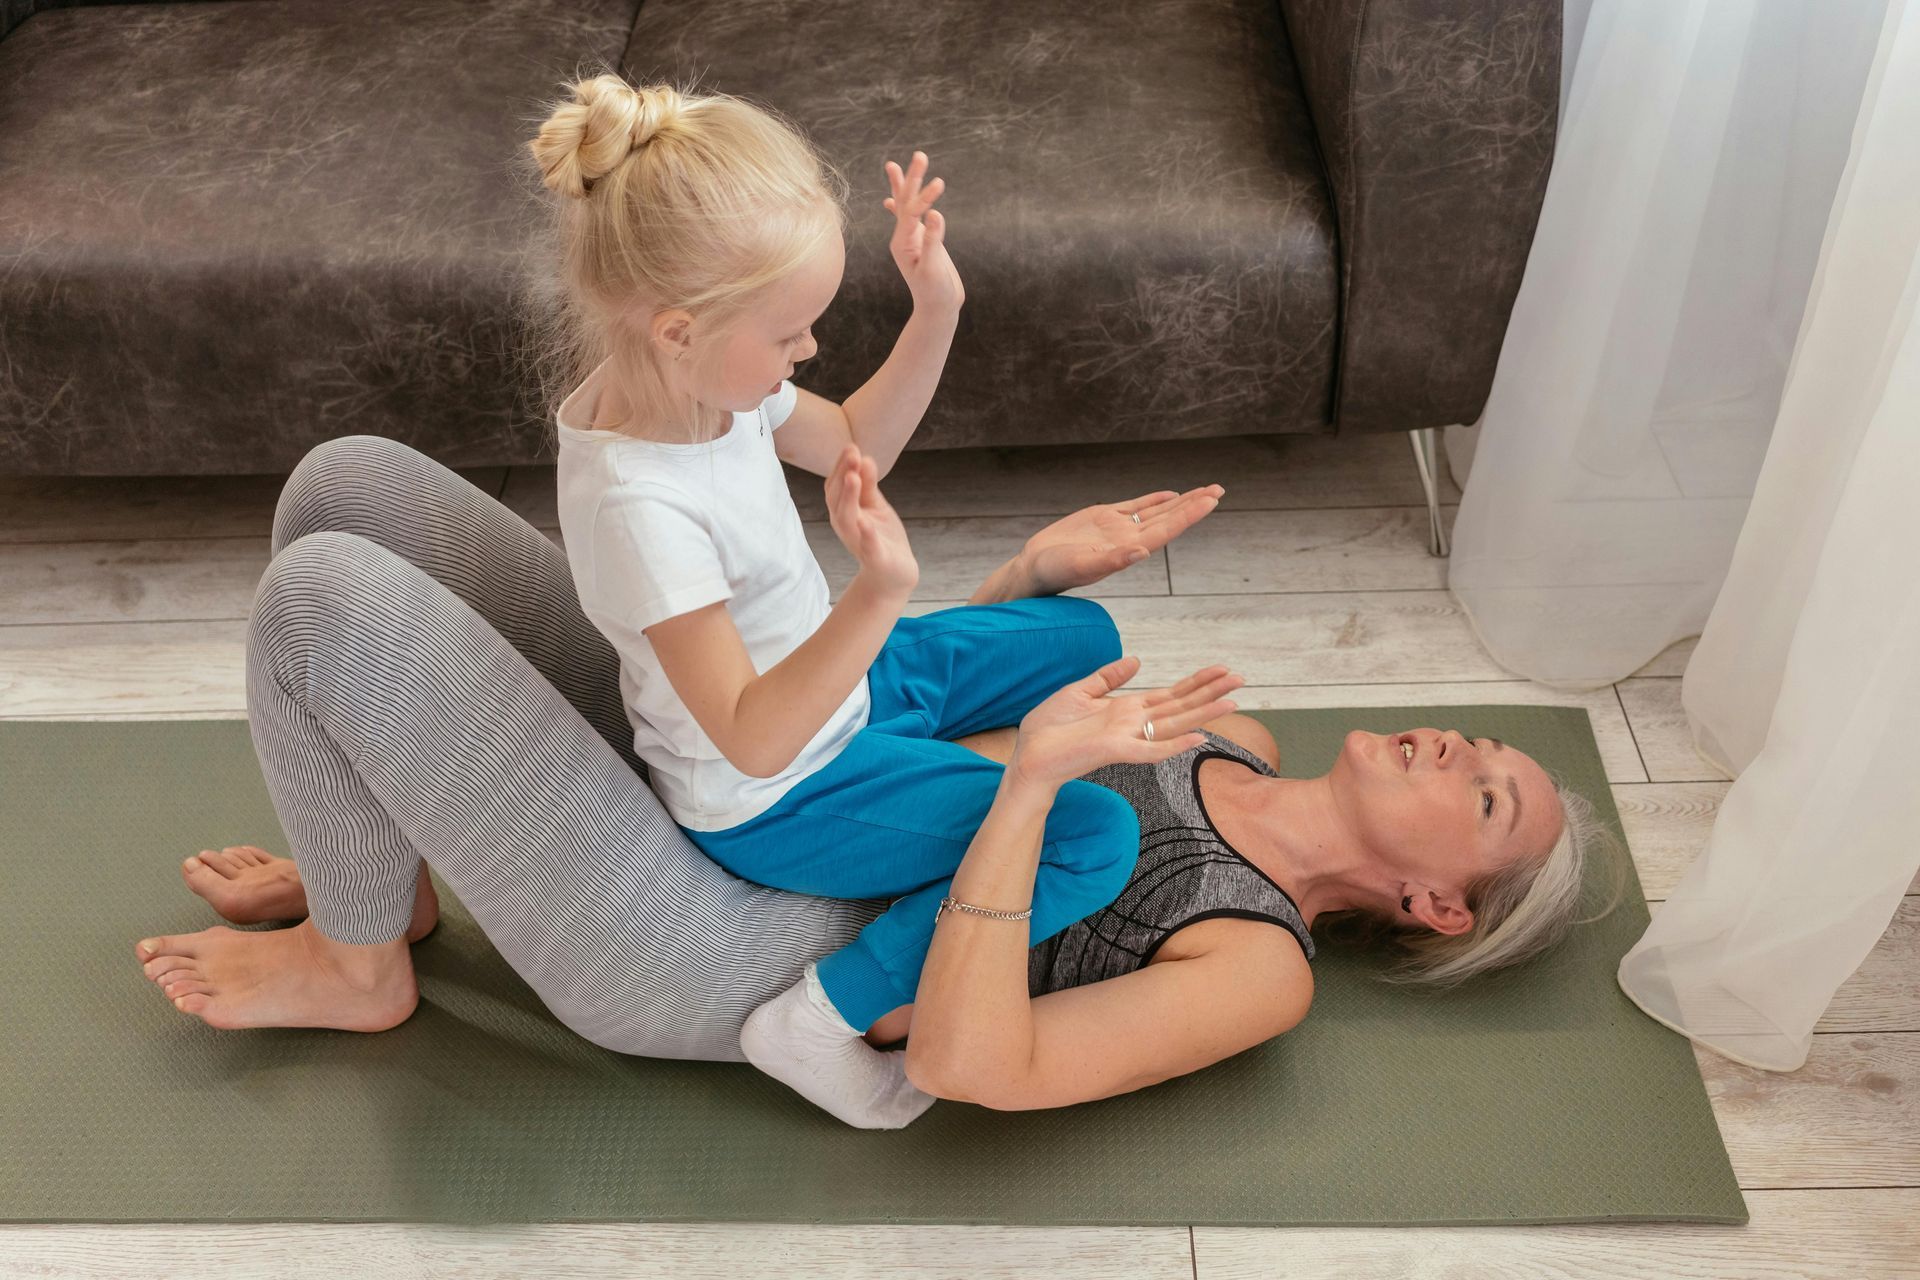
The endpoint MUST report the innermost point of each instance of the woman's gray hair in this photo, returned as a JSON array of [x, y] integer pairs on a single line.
[[1519, 909]]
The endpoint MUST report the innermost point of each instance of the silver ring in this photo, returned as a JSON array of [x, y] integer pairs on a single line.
[[1147, 728], [1136, 516]]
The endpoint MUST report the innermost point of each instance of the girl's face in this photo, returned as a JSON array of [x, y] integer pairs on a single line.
[[1462, 806], [776, 335]]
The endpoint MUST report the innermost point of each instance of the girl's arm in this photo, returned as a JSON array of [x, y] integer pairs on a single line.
[[762, 720], [883, 413], [976, 1033]]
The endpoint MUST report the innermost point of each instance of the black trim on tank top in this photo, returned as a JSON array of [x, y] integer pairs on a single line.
[[1201, 756], [1236, 913]]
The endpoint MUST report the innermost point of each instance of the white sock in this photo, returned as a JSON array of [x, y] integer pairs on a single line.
[[801, 1040]]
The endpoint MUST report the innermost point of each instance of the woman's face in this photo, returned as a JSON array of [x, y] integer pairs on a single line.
[[1459, 808]]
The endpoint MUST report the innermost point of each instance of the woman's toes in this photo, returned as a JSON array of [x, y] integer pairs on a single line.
[[160, 967], [148, 948], [250, 854], [194, 1003], [191, 984]]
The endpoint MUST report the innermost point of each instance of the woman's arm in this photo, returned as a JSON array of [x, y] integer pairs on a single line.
[[1080, 549], [1162, 1020], [976, 1032]]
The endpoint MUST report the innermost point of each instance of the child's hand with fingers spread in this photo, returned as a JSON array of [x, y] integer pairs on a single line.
[[1080, 728], [867, 525], [919, 248]]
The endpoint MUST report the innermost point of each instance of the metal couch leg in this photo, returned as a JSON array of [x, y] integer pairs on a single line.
[[1426, 455]]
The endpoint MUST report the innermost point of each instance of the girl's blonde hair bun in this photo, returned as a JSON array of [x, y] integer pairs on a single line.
[[699, 201], [586, 138]]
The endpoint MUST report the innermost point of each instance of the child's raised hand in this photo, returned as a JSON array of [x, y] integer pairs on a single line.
[[867, 525], [919, 248]]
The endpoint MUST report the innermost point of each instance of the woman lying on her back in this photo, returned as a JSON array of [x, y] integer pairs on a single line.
[[415, 696]]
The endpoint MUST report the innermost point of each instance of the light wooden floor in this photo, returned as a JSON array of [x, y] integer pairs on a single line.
[[129, 598]]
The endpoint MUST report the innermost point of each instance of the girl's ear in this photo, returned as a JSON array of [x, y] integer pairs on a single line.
[[672, 332]]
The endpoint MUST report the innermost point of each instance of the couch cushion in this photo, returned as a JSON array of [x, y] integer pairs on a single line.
[[231, 231], [1135, 199]]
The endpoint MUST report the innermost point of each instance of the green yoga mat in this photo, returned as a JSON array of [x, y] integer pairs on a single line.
[[1539, 1095]]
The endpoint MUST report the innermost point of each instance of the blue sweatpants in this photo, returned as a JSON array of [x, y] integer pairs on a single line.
[[893, 813]]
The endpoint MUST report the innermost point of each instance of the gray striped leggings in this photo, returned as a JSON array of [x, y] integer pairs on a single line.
[[422, 684]]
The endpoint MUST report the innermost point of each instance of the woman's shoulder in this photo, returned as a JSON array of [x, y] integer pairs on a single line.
[[1262, 949], [1252, 737]]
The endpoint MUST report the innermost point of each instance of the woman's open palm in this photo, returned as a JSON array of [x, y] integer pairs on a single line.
[[1082, 727], [1080, 549], [866, 523]]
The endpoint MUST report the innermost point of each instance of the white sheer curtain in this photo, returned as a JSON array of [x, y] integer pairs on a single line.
[[1706, 420]]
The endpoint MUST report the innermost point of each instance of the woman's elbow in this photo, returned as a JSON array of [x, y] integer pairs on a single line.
[[928, 1076]]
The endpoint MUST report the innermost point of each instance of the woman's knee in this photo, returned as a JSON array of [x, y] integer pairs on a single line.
[[319, 576], [332, 470]]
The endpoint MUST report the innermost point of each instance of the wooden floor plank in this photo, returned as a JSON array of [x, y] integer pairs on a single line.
[[93, 508], [1850, 1117], [1343, 549], [1660, 727], [98, 668], [1329, 637], [671, 1251], [1264, 472], [1792, 1235], [134, 580]]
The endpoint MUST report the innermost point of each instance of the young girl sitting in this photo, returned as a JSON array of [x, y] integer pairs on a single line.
[[801, 745]]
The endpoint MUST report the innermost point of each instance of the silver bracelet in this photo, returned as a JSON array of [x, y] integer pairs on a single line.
[[957, 905]]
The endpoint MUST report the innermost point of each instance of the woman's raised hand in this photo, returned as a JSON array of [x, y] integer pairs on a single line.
[[1081, 727], [919, 248], [1080, 549], [867, 525]]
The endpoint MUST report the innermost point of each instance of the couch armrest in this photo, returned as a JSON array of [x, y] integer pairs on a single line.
[[1436, 121]]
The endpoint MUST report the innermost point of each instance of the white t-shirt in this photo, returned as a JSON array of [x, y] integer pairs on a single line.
[[656, 530]]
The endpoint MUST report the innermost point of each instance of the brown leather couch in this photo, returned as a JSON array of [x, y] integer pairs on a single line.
[[230, 230]]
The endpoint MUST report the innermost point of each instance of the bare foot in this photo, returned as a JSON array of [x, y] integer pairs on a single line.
[[248, 885], [294, 977]]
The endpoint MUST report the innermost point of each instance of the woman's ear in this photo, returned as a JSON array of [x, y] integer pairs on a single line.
[[1440, 913]]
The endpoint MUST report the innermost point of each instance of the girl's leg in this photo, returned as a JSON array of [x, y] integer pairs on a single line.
[[956, 671], [894, 815], [393, 722]]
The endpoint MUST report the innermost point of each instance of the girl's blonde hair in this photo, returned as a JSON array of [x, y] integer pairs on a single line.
[[670, 199], [1520, 909]]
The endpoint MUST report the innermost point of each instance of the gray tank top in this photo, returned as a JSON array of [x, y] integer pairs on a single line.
[[1186, 873]]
